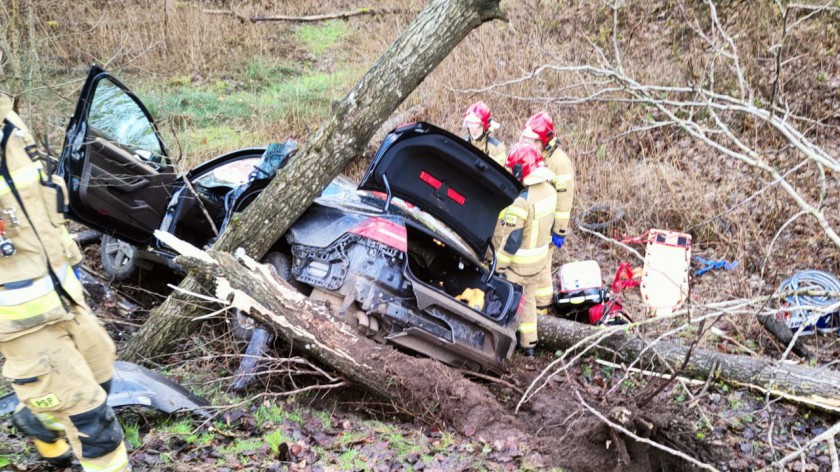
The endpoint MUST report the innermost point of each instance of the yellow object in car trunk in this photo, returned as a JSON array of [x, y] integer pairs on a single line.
[[474, 297]]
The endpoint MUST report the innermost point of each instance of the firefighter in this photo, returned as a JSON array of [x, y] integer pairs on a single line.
[[524, 236], [59, 359], [539, 131], [480, 125]]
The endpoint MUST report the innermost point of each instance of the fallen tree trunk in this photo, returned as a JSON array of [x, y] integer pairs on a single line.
[[422, 388], [341, 138], [343, 15], [819, 388]]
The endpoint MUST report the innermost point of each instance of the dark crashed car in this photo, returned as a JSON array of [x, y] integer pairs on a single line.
[[398, 256]]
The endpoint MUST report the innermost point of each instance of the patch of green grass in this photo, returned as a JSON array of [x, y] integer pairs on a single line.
[[217, 117], [221, 426], [245, 445], [350, 460], [269, 414], [404, 445], [447, 439], [179, 428], [294, 415], [179, 81], [260, 72], [351, 437], [277, 414], [240, 446], [628, 384], [322, 37], [275, 438], [132, 434], [204, 439], [324, 417], [215, 140]]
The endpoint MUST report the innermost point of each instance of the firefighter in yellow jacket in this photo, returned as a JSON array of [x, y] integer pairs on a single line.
[[59, 359], [480, 126], [524, 235], [539, 131]]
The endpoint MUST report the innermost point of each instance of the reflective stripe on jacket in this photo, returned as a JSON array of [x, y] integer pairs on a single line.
[[32, 279], [523, 236], [564, 184]]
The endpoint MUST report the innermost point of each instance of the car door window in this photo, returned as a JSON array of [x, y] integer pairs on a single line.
[[116, 117]]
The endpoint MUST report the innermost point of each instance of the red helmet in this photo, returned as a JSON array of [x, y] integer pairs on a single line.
[[478, 113], [524, 159], [540, 127]]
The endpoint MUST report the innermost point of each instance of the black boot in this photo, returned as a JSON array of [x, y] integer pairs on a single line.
[[530, 352]]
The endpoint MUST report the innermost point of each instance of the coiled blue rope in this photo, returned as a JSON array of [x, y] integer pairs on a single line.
[[802, 306]]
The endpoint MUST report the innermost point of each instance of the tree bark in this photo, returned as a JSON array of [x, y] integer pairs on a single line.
[[343, 136], [816, 387], [343, 15], [423, 388]]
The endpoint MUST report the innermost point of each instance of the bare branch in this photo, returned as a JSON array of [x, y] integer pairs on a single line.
[[640, 439], [306, 18], [827, 435]]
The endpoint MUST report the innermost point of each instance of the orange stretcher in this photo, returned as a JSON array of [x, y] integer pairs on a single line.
[[664, 284]]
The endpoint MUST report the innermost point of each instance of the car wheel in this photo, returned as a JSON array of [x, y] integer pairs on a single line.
[[119, 258], [243, 327], [282, 264]]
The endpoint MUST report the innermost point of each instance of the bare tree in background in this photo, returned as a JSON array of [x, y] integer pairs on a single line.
[[711, 111]]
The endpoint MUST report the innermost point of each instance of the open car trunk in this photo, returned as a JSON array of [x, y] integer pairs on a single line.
[[431, 263], [478, 315]]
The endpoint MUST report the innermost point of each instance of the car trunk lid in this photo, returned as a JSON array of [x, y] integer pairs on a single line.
[[445, 176]]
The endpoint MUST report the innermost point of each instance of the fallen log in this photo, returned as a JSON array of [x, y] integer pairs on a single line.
[[342, 15], [819, 388], [419, 387], [422, 388]]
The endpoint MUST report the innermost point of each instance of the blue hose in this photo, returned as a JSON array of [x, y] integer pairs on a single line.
[[801, 307]]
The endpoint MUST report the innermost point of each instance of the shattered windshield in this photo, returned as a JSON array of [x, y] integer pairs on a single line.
[[118, 118]]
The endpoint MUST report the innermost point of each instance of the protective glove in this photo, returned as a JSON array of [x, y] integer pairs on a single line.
[[558, 240]]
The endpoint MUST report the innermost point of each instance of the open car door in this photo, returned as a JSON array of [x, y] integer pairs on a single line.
[[114, 162]]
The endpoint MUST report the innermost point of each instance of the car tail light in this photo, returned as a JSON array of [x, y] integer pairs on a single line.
[[430, 179], [436, 184], [521, 308], [457, 197], [384, 231]]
